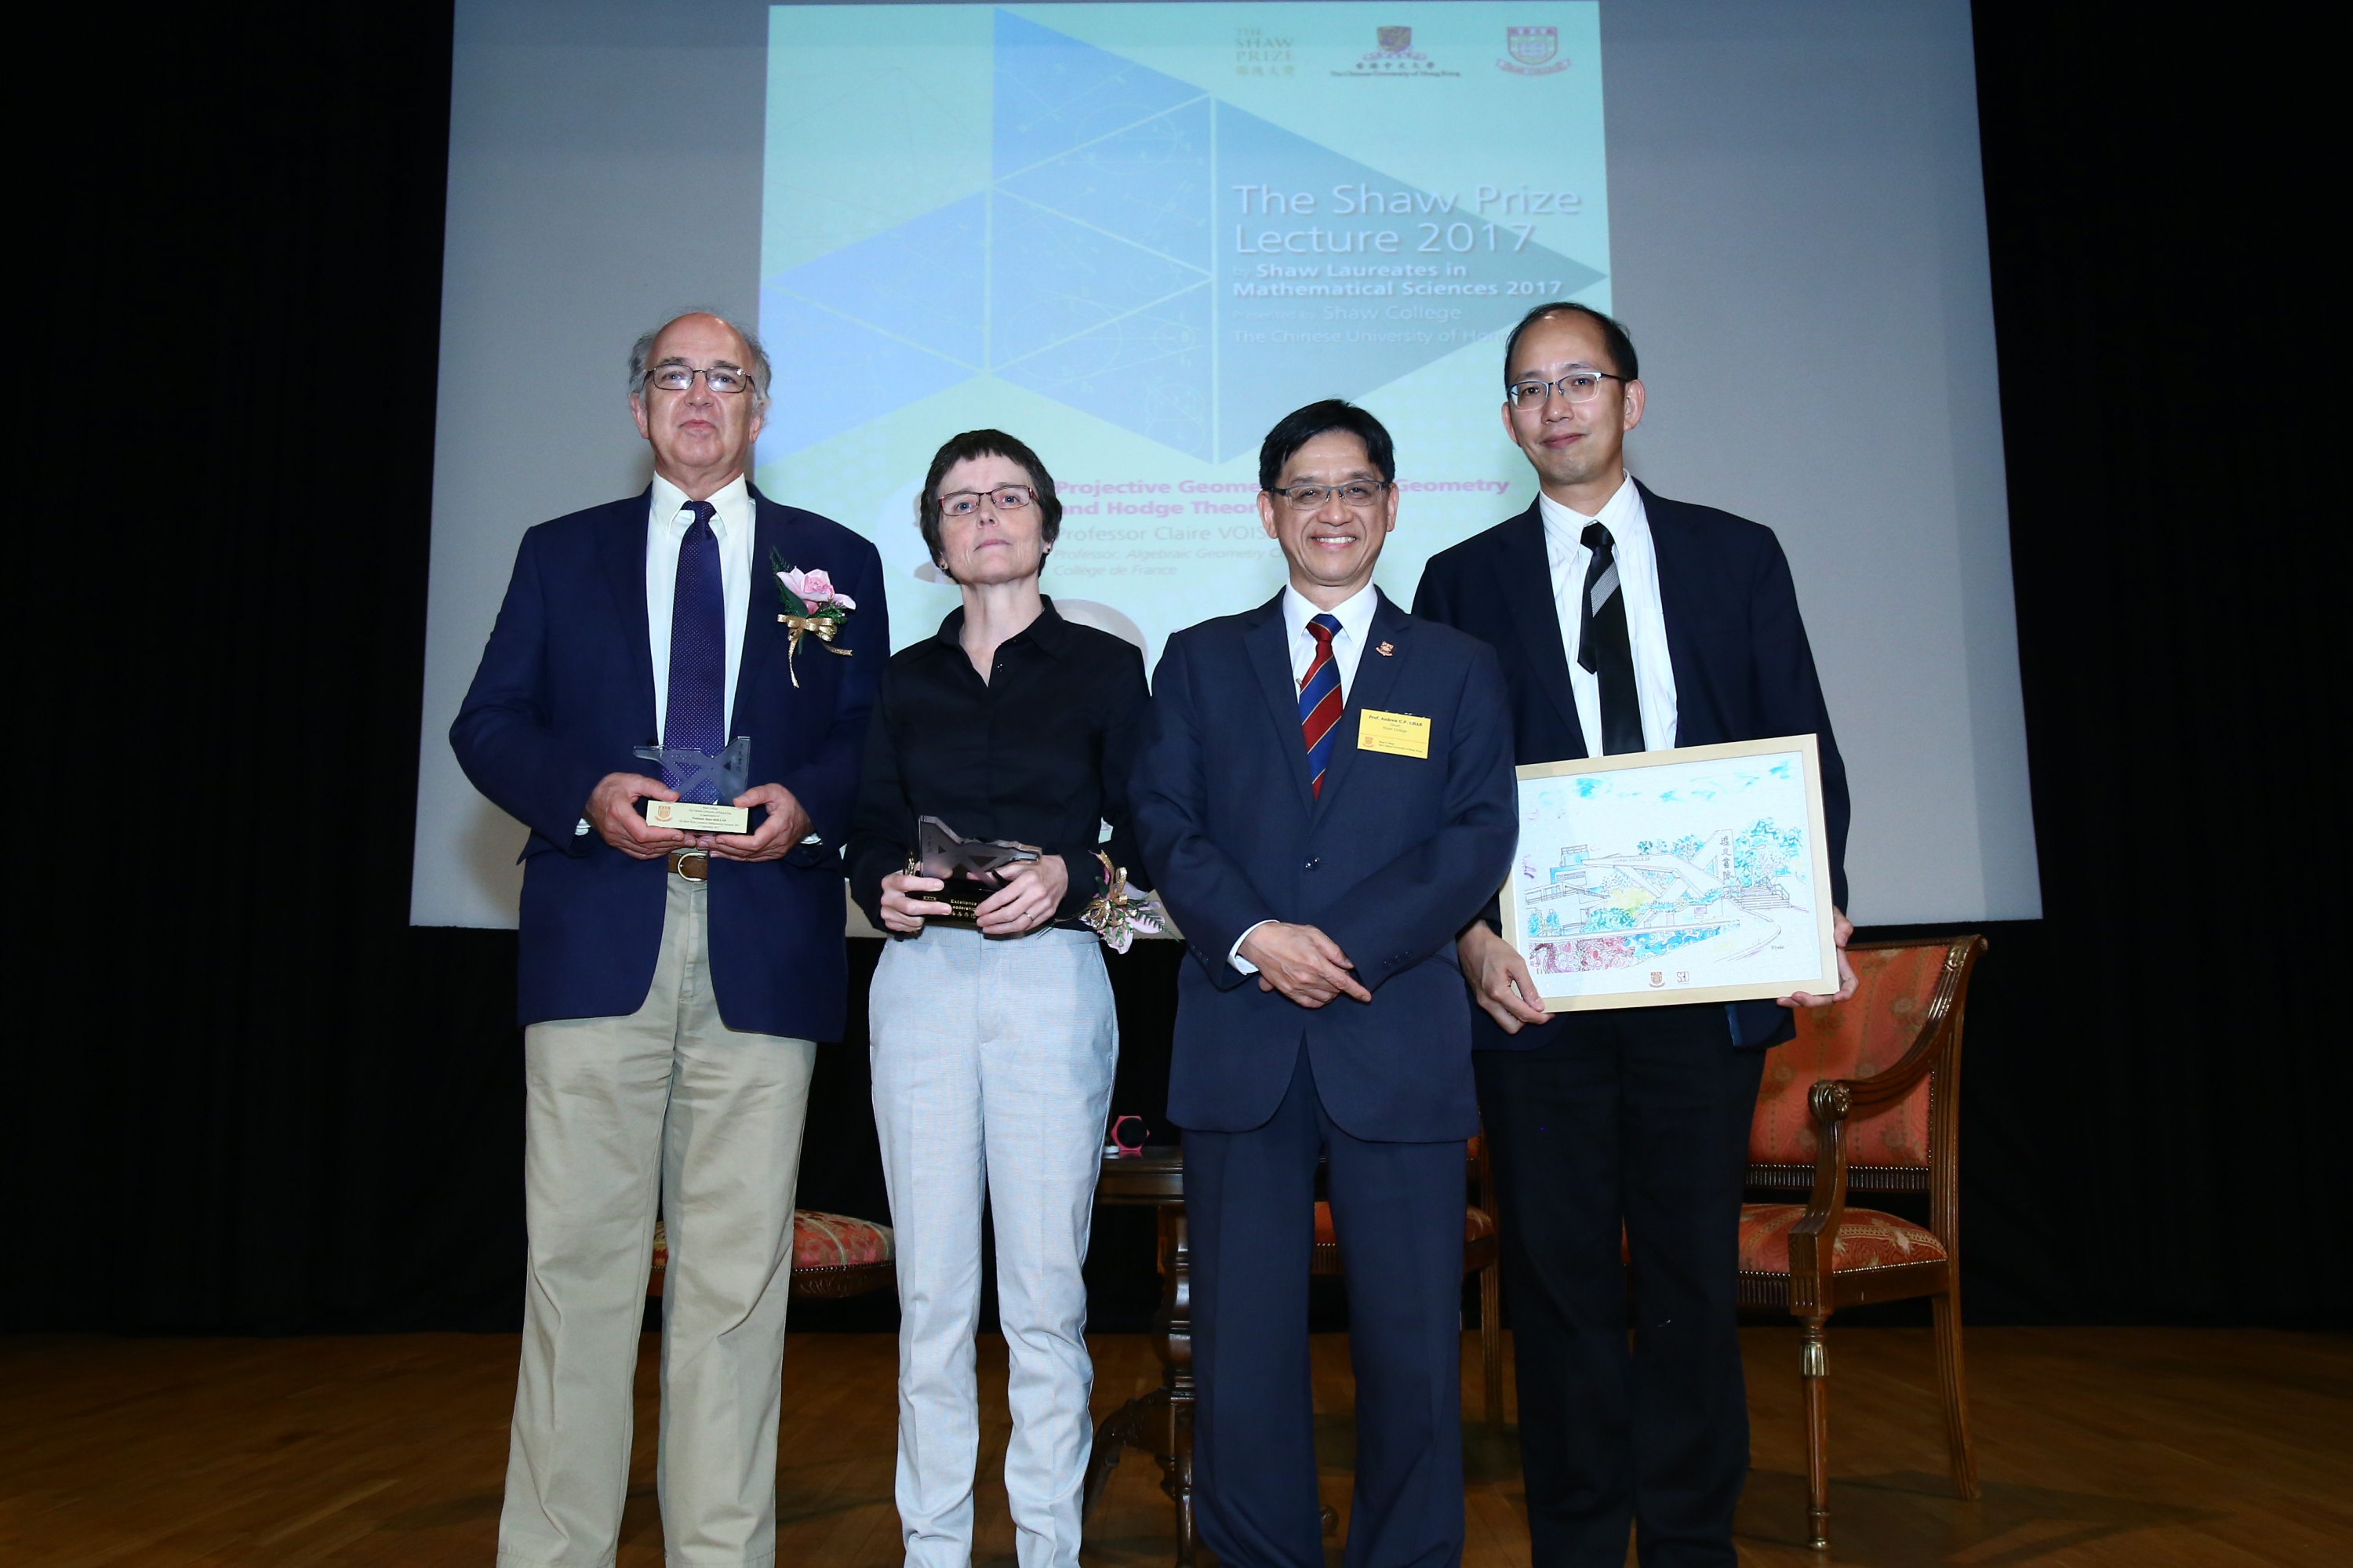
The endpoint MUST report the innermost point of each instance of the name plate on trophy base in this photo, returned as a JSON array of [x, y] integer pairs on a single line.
[[692, 772], [692, 817], [970, 870]]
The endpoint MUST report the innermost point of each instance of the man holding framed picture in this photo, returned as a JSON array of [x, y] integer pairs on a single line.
[[1626, 622]]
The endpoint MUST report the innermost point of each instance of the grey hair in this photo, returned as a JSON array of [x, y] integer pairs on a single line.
[[642, 350]]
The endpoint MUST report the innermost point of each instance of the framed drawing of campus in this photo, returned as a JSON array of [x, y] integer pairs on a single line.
[[1697, 875]]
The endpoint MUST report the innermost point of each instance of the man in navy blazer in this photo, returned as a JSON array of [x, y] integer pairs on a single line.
[[1626, 622], [1324, 797], [673, 985]]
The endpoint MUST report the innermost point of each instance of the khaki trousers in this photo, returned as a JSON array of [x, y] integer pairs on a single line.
[[666, 1101]]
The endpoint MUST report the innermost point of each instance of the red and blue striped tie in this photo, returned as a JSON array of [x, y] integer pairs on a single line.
[[1319, 700]]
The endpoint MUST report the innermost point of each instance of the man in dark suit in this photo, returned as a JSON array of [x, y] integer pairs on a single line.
[[673, 985], [1324, 797], [1626, 622]]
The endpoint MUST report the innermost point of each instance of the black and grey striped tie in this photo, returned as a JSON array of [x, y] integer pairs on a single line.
[[1604, 648]]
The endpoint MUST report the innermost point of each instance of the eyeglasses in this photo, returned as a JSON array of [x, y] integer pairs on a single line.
[[681, 378], [1577, 386], [1004, 498], [1358, 493]]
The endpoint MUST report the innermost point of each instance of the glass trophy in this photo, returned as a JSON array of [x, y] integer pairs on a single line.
[[705, 783], [971, 869]]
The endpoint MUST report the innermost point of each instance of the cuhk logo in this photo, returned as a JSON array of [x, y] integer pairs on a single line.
[[1531, 51], [1396, 40]]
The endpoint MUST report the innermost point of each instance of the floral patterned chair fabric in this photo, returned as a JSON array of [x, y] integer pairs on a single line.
[[1865, 1035], [1866, 1239], [836, 1241], [833, 1255], [1865, 1098]]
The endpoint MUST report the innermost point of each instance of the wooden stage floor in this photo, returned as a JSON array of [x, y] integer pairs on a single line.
[[2139, 1447]]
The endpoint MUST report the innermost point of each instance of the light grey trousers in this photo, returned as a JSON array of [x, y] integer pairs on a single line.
[[993, 1063], [666, 1100]]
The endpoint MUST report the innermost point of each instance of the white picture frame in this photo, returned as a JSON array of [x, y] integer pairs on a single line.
[[1655, 879]]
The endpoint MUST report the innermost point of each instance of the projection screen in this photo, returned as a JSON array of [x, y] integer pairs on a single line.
[[1136, 234]]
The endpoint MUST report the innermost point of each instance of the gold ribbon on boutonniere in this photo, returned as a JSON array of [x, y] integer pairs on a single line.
[[1116, 915], [813, 608], [820, 627]]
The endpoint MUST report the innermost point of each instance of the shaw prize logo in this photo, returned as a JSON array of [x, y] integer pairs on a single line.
[[1531, 51], [1395, 55]]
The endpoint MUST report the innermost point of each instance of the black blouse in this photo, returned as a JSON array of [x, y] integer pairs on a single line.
[[1038, 753]]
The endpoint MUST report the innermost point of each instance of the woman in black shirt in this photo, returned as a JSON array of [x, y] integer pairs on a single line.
[[994, 1043]]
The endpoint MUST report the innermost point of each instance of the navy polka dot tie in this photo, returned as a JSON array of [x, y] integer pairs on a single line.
[[695, 717]]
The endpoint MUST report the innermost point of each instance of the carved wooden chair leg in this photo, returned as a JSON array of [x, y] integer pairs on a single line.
[[1814, 1376], [1490, 1341], [1954, 1382], [1179, 1484]]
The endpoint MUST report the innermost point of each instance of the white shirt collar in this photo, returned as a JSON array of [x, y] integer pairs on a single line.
[[1565, 526], [1353, 613], [730, 502]]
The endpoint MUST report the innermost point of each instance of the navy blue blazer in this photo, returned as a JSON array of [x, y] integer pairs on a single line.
[[565, 692], [1742, 668], [1393, 860]]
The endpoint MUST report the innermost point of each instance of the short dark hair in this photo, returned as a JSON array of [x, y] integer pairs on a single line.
[[979, 444], [1302, 426], [1622, 359]]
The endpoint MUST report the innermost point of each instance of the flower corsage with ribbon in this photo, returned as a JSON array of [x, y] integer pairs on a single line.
[[813, 608], [1117, 915]]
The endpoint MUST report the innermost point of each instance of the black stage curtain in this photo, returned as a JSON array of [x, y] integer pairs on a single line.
[[246, 1097]]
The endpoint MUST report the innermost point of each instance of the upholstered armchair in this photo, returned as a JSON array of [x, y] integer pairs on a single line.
[[1865, 1099]]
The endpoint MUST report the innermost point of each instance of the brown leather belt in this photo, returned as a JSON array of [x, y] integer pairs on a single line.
[[693, 864]]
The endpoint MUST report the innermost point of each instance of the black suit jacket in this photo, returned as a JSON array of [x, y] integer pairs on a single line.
[[1742, 668]]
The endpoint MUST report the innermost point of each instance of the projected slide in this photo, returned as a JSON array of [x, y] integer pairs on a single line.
[[1137, 235]]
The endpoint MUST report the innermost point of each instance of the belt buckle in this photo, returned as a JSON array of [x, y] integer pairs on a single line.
[[693, 865]]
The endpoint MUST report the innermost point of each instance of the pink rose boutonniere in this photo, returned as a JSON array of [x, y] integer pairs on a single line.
[[813, 608]]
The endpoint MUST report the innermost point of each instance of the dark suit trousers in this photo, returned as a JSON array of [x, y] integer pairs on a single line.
[[1637, 1116], [1250, 1204]]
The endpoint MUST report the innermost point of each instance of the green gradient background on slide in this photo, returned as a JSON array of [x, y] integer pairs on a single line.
[[1027, 217]]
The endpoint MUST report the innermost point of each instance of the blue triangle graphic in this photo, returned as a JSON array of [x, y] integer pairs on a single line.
[[918, 280], [834, 374], [1149, 184], [1054, 93], [1147, 371], [1052, 278]]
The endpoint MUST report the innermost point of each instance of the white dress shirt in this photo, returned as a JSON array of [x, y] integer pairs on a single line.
[[1354, 615], [1646, 617], [666, 520]]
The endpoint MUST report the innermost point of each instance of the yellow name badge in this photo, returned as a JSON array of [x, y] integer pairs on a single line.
[[1399, 734]]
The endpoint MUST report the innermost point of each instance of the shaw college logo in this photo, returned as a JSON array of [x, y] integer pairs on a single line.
[[1531, 48]]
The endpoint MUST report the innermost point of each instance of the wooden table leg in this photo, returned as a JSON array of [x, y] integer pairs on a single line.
[[1177, 1351], [1161, 1422]]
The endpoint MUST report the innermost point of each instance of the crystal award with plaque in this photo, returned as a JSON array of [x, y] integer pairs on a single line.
[[969, 869], [705, 783]]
